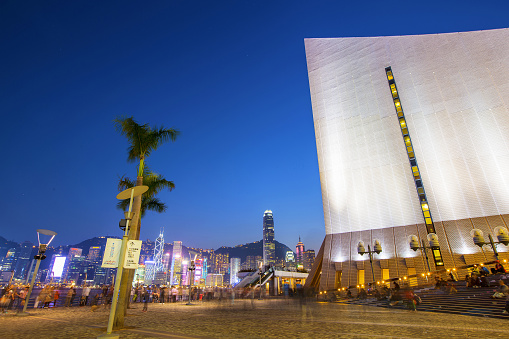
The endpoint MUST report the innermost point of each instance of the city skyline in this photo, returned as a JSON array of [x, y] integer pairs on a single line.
[[231, 76]]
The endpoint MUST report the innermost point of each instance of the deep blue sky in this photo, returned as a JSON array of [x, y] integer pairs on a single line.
[[230, 75]]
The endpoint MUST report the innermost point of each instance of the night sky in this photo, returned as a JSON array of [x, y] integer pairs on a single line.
[[230, 75]]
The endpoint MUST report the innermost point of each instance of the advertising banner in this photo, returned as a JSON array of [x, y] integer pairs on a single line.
[[112, 252], [132, 254]]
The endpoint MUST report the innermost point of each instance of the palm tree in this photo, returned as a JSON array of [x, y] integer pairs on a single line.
[[143, 140]]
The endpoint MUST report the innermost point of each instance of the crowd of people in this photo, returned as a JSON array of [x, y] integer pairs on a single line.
[[13, 298], [52, 295], [477, 277]]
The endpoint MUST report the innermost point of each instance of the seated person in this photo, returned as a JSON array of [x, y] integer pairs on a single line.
[[484, 271], [475, 270], [363, 294], [498, 268], [501, 291], [467, 280], [475, 281], [395, 298]]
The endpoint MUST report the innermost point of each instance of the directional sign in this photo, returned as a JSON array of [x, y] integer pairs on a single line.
[[112, 252], [132, 254]]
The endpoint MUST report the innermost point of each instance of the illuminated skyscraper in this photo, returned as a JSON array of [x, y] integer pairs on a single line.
[[234, 269], [73, 252], [299, 253], [176, 263], [158, 252], [269, 247], [289, 259], [308, 259], [94, 253], [24, 257]]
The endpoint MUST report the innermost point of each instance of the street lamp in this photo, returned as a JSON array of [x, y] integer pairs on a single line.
[[502, 235], [377, 248], [260, 265], [40, 256], [433, 244], [191, 269]]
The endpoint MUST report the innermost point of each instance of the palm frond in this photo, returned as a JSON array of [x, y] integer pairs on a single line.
[[123, 205], [155, 182], [124, 183], [152, 204]]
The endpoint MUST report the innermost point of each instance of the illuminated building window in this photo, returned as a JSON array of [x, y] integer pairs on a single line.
[[426, 213], [360, 277]]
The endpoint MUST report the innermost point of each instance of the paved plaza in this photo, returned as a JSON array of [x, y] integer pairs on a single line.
[[253, 319]]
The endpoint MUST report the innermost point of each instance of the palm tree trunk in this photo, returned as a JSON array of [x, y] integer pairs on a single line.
[[128, 275]]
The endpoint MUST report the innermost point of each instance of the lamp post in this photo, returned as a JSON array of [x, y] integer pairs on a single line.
[[40, 256], [260, 273], [433, 244], [129, 193], [502, 235], [377, 248], [191, 269]]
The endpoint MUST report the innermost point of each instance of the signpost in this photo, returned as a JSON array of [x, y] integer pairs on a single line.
[[118, 260]]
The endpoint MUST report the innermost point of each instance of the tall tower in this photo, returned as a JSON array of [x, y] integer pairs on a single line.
[[158, 252], [299, 251], [176, 263], [269, 247]]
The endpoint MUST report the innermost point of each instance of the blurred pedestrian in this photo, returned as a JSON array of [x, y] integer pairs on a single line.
[[48, 298], [69, 297], [85, 294], [56, 296], [146, 297]]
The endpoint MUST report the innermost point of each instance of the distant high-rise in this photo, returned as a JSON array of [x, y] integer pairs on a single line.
[[158, 252], [94, 253], [289, 259], [299, 251], [269, 247], [234, 269], [73, 252], [308, 259], [176, 263], [24, 258]]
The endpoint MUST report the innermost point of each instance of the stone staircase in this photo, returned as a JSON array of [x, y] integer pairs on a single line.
[[468, 301]]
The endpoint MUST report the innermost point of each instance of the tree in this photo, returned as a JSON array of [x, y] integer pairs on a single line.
[[143, 140]]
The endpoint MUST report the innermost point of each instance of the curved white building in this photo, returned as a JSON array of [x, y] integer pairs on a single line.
[[412, 135]]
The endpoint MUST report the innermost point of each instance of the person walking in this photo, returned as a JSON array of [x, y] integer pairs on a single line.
[[146, 297], [22, 298], [109, 296], [174, 293], [162, 294], [104, 294], [56, 296], [85, 294], [48, 297], [506, 303], [68, 298]]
